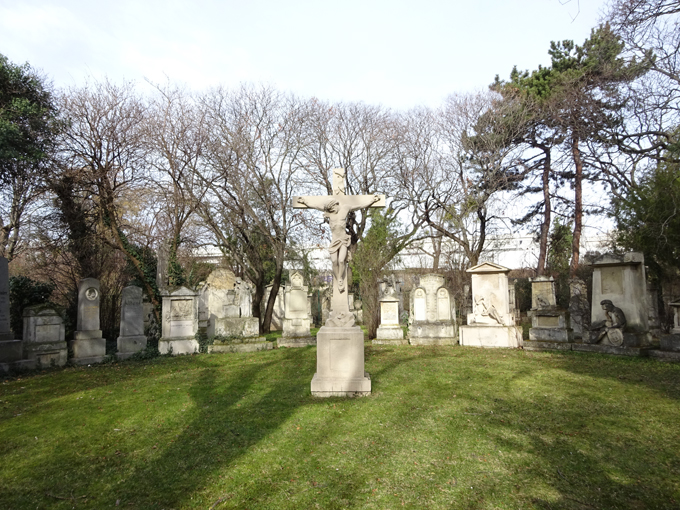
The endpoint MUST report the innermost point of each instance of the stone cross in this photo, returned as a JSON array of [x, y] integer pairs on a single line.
[[336, 207]]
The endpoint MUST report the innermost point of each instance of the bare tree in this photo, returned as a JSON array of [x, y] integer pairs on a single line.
[[252, 168]]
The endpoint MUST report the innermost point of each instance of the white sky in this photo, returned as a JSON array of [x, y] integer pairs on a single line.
[[397, 53]]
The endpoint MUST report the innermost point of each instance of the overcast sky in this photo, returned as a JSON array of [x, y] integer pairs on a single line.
[[397, 53]]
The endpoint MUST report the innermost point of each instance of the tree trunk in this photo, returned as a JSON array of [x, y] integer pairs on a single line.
[[578, 206], [547, 211]]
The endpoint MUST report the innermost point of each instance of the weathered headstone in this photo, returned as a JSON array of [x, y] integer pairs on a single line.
[[279, 311], [432, 318], [619, 311], [579, 308], [390, 331], [88, 346], [229, 301], [490, 324], [162, 261], [11, 349], [132, 338], [669, 348], [340, 344], [44, 336], [180, 322], [296, 323], [550, 325]]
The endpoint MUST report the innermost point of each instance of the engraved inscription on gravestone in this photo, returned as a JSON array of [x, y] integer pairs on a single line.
[[611, 280], [419, 305], [443, 305], [389, 312]]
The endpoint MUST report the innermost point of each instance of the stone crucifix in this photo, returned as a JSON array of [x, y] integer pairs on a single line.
[[336, 207]]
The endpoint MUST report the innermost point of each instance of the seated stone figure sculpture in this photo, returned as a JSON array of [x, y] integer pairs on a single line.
[[610, 329]]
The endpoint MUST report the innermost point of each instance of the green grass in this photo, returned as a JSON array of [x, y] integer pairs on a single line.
[[447, 427]]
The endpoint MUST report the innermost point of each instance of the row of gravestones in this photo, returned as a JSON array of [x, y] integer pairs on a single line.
[[617, 323], [622, 313], [44, 343]]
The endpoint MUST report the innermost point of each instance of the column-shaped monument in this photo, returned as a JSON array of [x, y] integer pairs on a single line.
[[340, 344], [88, 345]]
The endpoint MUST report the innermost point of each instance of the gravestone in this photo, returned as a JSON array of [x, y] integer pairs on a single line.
[[131, 339], [669, 348], [432, 315], [180, 322], [162, 262], [11, 350], [87, 345], [390, 331], [44, 336], [490, 324], [296, 322], [279, 313], [579, 307], [230, 305], [653, 318], [619, 311], [340, 344], [549, 325]]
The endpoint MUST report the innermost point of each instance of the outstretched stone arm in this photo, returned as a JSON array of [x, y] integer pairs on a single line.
[[318, 202], [356, 202]]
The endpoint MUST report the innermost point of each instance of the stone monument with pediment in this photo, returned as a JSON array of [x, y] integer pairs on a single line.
[[296, 321], [87, 345], [432, 319], [619, 312], [491, 324], [550, 327], [390, 331], [340, 344], [132, 338], [180, 322]]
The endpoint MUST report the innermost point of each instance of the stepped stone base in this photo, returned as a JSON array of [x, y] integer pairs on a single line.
[[253, 344], [130, 345], [303, 341], [88, 348], [177, 346], [535, 345], [491, 336], [610, 349], [47, 354]]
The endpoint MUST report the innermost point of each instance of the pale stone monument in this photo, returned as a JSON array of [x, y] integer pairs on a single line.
[[340, 344], [131, 339], [279, 313], [670, 344], [180, 322], [549, 324], [390, 331], [87, 345], [229, 302], [296, 323], [44, 336], [619, 311], [579, 308], [11, 350], [162, 261], [490, 324], [432, 319]]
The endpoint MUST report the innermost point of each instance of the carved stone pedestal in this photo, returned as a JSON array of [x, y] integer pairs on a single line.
[[340, 363], [491, 336]]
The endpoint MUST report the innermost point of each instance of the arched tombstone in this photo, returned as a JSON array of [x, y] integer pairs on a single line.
[[390, 331], [432, 321]]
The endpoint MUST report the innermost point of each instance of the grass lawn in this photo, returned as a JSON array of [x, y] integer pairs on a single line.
[[447, 427]]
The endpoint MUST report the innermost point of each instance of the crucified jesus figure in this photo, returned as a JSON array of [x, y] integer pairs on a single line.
[[335, 209]]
